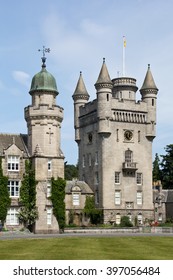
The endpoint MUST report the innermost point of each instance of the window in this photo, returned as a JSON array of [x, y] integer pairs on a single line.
[[13, 163], [139, 178], [152, 101], [83, 161], [129, 205], [118, 218], [128, 156], [48, 189], [139, 198], [13, 188], [76, 199], [96, 177], [49, 216], [89, 159], [117, 197], [139, 218], [12, 217], [49, 165], [96, 197], [160, 217], [96, 158], [117, 177], [130, 216], [139, 136]]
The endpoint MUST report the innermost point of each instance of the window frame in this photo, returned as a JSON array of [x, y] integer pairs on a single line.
[[117, 197], [139, 178], [12, 188], [139, 198], [12, 217], [13, 163], [49, 215], [117, 177]]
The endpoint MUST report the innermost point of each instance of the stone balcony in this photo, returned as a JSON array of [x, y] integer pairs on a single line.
[[129, 166]]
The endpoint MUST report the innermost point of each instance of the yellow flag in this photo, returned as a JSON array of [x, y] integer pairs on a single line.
[[124, 41]]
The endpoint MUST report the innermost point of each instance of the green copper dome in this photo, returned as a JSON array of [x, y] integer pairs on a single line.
[[43, 81]]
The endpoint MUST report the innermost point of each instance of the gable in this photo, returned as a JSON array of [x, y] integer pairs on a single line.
[[14, 142], [13, 150]]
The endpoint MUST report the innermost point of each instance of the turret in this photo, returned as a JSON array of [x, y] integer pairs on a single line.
[[149, 95], [124, 88], [104, 100], [80, 97], [43, 116]]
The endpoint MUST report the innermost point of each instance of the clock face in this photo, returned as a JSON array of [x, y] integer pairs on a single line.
[[128, 135]]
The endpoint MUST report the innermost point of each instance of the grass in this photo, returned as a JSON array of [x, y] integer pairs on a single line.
[[88, 248]]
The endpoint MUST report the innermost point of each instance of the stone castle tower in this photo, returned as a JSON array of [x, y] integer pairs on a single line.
[[44, 119], [114, 133]]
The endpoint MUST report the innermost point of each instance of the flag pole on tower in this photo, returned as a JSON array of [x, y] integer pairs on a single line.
[[124, 47]]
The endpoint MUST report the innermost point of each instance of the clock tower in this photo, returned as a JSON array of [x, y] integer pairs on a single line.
[[115, 136]]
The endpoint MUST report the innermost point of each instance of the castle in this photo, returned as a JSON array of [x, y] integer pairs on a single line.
[[114, 133]]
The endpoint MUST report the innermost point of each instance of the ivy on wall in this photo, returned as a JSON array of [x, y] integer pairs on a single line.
[[28, 212], [5, 200], [57, 197]]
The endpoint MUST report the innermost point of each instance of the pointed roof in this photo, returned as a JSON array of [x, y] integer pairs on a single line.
[[103, 77], [148, 81], [80, 88]]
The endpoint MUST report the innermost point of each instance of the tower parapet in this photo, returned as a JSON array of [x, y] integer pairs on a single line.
[[124, 88]]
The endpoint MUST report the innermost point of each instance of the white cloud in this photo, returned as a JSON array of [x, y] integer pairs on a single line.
[[21, 77]]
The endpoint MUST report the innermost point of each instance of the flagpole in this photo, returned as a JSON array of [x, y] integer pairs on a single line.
[[124, 46]]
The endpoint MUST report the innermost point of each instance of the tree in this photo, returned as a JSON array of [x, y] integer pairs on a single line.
[[71, 171], [28, 212], [5, 200], [125, 222], [57, 197], [167, 167], [156, 169], [93, 213]]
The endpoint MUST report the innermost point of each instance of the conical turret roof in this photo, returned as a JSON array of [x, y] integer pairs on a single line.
[[148, 81], [103, 77], [80, 88]]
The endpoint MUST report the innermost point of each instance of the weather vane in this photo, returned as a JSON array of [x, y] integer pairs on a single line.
[[44, 50]]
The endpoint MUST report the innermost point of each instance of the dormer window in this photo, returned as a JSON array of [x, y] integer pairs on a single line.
[[13, 163]]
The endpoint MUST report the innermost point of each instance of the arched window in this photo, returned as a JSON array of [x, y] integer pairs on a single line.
[[128, 155], [118, 218], [140, 218]]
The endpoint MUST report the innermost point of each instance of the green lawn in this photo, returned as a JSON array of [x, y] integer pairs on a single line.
[[88, 248]]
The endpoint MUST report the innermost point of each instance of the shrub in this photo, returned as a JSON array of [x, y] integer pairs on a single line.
[[125, 222]]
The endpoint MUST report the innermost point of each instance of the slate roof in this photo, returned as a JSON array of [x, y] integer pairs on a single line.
[[85, 189], [148, 81], [20, 140], [103, 77]]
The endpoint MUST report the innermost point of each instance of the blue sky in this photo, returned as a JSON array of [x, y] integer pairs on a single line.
[[80, 33]]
